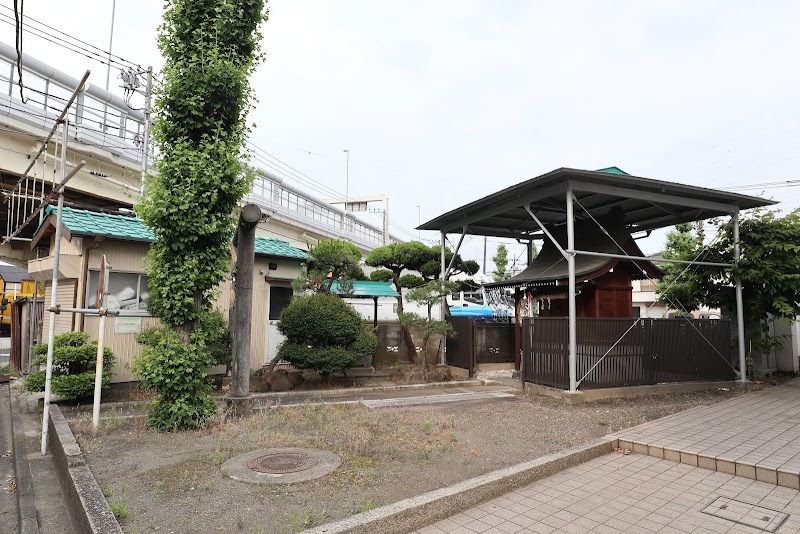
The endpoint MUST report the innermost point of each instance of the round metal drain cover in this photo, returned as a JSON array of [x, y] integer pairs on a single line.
[[281, 465], [282, 462]]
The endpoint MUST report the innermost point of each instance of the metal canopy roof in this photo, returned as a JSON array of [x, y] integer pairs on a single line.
[[647, 204], [367, 289]]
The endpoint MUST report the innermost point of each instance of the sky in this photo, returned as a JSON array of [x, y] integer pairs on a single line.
[[441, 103]]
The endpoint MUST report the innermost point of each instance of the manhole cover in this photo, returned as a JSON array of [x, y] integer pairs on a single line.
[[745, 513], [281, 465], [282, 462]]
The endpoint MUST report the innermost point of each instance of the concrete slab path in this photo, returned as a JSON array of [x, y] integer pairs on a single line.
[[755, 436], [634, 494]]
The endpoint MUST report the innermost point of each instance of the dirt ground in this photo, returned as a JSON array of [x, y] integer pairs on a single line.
[[174, 482]]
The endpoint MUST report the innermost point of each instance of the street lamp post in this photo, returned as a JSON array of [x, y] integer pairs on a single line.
[[346, 187], [347, 181], [419, 223]]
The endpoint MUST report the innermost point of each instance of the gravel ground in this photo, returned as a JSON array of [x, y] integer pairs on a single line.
[[173, 483]]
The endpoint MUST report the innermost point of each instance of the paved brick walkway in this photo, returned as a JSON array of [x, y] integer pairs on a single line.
[[634, 494], [755, 435]]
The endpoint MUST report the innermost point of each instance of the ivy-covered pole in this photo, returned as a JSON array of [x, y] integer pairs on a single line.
[[210, 47]]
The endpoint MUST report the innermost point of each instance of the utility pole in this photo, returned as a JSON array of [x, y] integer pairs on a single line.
[[146, 136], [240, 400], [108, 66]]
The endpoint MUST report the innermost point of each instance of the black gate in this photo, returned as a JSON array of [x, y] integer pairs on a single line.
[[477, 341]]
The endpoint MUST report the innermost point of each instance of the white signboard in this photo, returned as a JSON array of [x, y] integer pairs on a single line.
[[127, 325]]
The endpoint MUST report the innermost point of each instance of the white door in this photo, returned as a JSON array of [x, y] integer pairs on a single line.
[[279, 297], [274, 339]]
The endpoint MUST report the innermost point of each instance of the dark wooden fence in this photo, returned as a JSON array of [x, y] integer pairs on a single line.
[[477, 341], [651, 351]]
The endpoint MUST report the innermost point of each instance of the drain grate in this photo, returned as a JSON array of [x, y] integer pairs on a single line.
[[744, 513], [282, 462]]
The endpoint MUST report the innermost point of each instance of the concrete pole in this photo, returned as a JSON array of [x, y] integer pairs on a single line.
[[739, 302], [146, 135], [573, 344], [48, 382], [239, 399], [443, 305]]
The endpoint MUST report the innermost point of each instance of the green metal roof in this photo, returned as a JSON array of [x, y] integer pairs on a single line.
[[364, 289], [276, 247], [614, 170], [85, 222]]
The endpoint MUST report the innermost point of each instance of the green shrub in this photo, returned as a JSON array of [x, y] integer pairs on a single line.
[[217, 336], [320, 320], [323, 333], [325, 360], [35, 381], [73, 366], [179, 374], [366, 343]]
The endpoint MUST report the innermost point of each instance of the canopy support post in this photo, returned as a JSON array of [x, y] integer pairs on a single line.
[[443, 304], [573, 344], [739, 301]]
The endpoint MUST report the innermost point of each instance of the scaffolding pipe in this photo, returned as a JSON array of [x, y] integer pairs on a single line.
[[642, 258], [573, 343], [739, 302]]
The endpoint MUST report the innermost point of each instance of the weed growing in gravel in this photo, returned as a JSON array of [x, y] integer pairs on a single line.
[[302, 521], [239, 520], [217, 458], [117, 504], [108, 491], [364, 506], [207, 486], [188, 481], [112, 421]]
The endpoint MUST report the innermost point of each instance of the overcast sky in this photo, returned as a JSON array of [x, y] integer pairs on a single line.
[[441, 103]]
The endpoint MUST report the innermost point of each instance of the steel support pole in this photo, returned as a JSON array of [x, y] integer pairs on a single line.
[[443, 304], [573, 344], [54, 295], [739, 302], [98, 373]]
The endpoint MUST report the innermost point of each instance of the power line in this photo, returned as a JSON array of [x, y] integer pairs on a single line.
[[104, 52], [68, 46]]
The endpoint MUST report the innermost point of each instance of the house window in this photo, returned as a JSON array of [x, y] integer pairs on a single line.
[[126, 291], [279, 298]]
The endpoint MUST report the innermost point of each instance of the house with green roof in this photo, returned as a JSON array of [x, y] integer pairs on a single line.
[[87, 236]]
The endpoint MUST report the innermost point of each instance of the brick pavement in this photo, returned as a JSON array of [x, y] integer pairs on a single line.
[[755, 435], [634, 494]]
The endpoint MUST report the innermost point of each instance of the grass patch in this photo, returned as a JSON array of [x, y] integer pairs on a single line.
[[299, 521]]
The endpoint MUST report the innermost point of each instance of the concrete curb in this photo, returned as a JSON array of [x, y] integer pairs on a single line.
[[88, 508], [365, 389], [417, 512], [26, 505], [311, 393], [592, 395]]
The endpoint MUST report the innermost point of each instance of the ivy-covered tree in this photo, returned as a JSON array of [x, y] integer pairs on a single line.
[[210, 48], [769, 269], [396, 259], [500, 260]]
